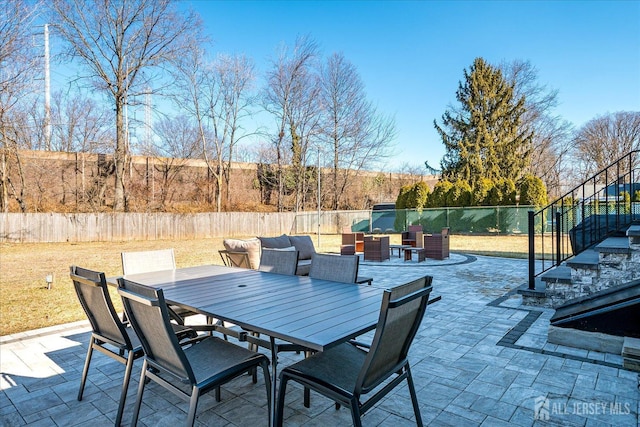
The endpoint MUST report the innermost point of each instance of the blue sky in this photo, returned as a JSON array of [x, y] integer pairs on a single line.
[[411, 54]]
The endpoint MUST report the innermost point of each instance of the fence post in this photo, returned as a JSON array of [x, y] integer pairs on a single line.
[[532, 255]]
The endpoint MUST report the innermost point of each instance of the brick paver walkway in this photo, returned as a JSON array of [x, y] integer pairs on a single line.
[[480, 358]]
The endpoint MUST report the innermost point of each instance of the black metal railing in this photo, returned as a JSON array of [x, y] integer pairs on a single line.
[[584, 216]]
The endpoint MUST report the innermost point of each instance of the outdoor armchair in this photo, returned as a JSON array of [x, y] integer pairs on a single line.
[[347, 373], [376, 248], [204, 366], [437, 245], [413, 236], [355, 239]]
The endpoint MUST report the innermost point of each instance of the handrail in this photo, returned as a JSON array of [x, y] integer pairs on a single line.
[[575, 221]]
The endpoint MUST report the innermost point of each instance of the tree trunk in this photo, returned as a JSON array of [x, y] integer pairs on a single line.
[[120, 155]]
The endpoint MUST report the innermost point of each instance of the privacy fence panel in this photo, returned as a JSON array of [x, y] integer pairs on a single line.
[[107, 227]]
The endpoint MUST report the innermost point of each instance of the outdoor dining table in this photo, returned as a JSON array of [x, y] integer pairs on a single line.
[[313, 313]]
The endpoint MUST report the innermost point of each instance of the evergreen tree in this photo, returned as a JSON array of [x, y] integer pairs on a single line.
[[482, 137]]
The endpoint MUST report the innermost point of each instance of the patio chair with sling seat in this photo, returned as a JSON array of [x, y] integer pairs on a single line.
[[279, 261], [204, 366], [156, 260], [347, 372], [337, 268], [109, 335]]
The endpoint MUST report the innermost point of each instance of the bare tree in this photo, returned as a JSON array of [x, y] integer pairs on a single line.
[[357, 136], [124, 46], [231, 100], [288, 84], [179, 141], [79, 124], [218, 96], [304, 127], [604, 139], [18, 65], [551, 134]]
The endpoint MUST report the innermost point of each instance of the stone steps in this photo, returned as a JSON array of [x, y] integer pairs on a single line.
[[612, 262], [588, 260], [614, 245]]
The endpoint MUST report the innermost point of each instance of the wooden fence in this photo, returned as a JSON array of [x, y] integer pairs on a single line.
[[108, 227]]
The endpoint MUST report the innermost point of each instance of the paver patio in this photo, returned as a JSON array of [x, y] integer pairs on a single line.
[[480, 358]]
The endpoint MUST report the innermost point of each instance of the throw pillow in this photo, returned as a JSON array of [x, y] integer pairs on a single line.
[[304, 245], [251, 247]]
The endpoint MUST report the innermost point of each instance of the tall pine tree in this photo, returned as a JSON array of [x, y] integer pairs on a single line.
[[482, 137]]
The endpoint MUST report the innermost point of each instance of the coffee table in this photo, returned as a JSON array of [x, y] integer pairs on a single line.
[[400, 248], [409, 251]]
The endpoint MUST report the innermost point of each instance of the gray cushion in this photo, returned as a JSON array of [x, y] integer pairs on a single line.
[[304, 245], [251, 246], [275, 242]]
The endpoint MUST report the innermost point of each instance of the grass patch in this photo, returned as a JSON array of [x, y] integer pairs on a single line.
[[26, 303]]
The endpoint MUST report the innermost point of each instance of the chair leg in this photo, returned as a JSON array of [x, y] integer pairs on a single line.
[[355, 413], [414, 397], [218, 396], [143, 380], [85, 370], [267, 382], [254, 347], [125, 387], [193, 405], [280, 401], [307, 392], [307, 397]]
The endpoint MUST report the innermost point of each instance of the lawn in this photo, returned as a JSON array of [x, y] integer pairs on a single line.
[[26, 303]]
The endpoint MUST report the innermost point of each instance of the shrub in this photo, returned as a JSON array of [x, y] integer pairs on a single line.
[[459, 194], [403, 195], [480, 192], [532, 191], [503, 193], [438, 197]]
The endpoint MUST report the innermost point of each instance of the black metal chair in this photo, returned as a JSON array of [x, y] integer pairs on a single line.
[[109, 333], [204, 366], [337, 268], [347, 372], [279, 261]]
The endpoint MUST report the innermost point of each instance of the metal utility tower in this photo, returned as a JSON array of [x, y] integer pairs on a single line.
[[47, 91], [147, 119]]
